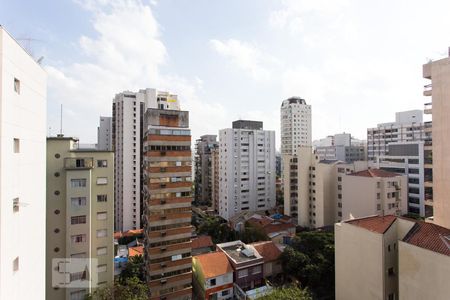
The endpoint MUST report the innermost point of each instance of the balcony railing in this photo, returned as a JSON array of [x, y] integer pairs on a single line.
[[79, 163]]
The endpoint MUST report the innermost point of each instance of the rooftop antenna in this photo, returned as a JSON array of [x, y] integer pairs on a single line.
[[61, 122]]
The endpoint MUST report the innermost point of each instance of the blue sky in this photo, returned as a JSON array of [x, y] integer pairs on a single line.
[[356, 62]]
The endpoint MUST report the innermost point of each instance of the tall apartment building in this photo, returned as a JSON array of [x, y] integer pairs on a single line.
[[168, 196], [104, 134], [23, 126], [295, 125], [128, 132], [247, 168], [371, 192], [411, 159], [439, 73], [388, 257], [341, 147], [203, 168], [312, 190], [215, 187], [408, 126], [80, 219]]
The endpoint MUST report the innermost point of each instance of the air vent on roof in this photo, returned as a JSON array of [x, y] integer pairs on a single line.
[[248, 252]]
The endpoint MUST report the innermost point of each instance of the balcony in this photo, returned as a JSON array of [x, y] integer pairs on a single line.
[[428, 126], [81, 163], [427, 90], [427, 108]]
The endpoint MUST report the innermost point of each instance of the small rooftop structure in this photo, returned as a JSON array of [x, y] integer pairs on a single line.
[[268, 250], [247, 124], [238, 252], [135, 251]]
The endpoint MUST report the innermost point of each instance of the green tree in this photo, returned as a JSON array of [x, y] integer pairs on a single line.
[[134, 268], [289, 293], [131, 289], [219, 232], [310, 259], [252, 234]]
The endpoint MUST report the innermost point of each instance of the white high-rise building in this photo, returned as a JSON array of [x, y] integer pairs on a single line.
[[246, 168], [104, 134], [408, 126], [23, 111], [295, 125], [127, 127]]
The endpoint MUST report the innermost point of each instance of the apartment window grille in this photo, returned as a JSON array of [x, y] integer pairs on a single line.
[[102, 163], [102, 198], [78, 220], [79, 238], [78, 201], [76, 183]]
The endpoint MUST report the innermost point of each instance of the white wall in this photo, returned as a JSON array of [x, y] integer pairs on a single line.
[[22, 116]]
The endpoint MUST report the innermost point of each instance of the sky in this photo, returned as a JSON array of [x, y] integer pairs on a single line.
[[357, 62]]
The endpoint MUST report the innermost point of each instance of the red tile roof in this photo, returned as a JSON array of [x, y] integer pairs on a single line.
[[268, 250], [202, 241], [374, 173], [278, 227], [133, 251], [214, 264], [377, 224], [429, 236], [263, 221]]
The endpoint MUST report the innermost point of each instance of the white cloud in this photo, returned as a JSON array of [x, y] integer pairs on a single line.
[[245, 56], [125, 54]]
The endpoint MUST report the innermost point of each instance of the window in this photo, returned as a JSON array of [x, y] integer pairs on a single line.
[[79, 163], [378, 206], [212, 282], [76, 183], [257, 270], [102, 198], [102, 251], [78, 201], [378, 196], [391, 272], [79, 238], [16, 264], [78, 220], [101, 215], [243, 273], [78, 295], [391, 296], [102, 163], [17, 86], [16, 205], [102, 180], [101, 233], [226, 292], [101, 268], [16, 147]]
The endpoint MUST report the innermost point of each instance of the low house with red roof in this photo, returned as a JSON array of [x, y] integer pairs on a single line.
[[271, 256], [212, 276], [390, 257], [277, 229], [202, 244]]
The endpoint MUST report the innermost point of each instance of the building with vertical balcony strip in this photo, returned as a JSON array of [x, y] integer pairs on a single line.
[[204, 169], [167, 203]]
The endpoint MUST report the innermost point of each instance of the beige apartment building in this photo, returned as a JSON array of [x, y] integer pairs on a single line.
[[312, 190], [167, 203], [80, 219], [389, 257], [372, 192], [439, 73]]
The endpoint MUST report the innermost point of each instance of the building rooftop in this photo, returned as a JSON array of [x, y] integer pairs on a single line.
[[239, 252], [214, 264], [247, 124], [378, 224], [202, 241], [429, 236], [268, 250], [374, 173], [135, 251], [293, 100]]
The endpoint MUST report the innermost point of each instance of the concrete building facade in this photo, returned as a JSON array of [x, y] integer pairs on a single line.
[[128, 131], [23, 127], [203, 168], [168, 197], [80, 218], [439, 73], [388, 257], [372, 192], [341, 147], [408, 126], [104, 134], [312, 191], [215, 171], [411, 159], [246, 168]]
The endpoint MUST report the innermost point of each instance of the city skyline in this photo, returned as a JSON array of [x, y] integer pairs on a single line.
[[326, 53]]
